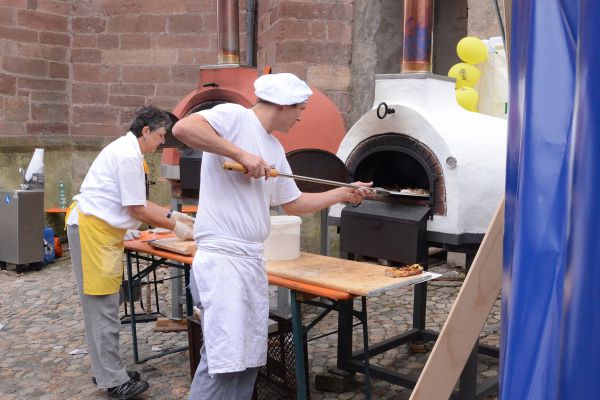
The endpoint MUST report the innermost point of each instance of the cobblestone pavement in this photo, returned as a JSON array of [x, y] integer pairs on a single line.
[[40, 324]]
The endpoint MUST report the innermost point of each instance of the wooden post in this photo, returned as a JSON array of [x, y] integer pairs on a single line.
[[467, 317]]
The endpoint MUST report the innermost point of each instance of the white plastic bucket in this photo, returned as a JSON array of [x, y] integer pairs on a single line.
[[283, 243]]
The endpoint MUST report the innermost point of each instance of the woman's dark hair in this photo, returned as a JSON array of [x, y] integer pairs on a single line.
[[151, 117]]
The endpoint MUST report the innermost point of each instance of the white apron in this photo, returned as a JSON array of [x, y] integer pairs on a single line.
[[233, 288]]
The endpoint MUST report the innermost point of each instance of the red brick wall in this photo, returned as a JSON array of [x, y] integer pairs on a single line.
[[312, 39], [34, 71], [81, 68], [127, 54]]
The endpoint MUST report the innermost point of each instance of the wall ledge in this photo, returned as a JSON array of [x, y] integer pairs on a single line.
[[18, 144]]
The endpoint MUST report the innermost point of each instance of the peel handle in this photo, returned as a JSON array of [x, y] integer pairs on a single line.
[[232, 166], [274, 173]]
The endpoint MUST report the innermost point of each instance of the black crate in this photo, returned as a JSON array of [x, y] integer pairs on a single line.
[[195, 341], [277, 379]]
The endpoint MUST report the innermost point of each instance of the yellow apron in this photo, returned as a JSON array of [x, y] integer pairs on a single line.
[[101, 252], [101, 255]]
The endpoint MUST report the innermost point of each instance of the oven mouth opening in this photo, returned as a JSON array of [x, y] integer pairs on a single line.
[[395, 171], [397, 162]]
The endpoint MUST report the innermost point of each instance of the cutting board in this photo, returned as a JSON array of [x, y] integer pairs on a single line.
[[176, 245], [344, 275]]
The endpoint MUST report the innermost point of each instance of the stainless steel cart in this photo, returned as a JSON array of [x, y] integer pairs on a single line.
[[21, 228]]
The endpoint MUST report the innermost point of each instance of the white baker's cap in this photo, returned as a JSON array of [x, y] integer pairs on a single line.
[[284, 89]]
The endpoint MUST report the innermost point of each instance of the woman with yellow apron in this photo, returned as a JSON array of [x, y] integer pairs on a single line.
[[112, 200]]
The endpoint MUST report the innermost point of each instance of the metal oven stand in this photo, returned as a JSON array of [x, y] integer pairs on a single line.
[[356, 362]]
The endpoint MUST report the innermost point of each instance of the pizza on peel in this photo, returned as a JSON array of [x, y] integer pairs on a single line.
[[403, 272]]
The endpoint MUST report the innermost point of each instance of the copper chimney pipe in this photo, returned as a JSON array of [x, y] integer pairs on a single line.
[[228, 20], [418, 36]]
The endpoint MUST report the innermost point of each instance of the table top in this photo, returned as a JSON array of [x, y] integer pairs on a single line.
[[356, 278], [314, 274], [143, 245]]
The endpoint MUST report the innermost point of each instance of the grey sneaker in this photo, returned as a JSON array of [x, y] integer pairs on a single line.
[[132, 375], [128, 390]]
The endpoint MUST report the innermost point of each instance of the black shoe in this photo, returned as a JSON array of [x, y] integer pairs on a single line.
[[132, 375], [128, 390]]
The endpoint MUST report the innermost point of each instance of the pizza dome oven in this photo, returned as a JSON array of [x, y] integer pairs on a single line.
[[452, 158], [417, 137]]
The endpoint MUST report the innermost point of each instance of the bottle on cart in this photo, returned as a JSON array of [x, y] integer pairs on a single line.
[[62, 198]]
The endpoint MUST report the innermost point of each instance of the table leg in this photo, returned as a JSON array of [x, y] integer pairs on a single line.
[[301, 391], [344, 351], [468, 377], [420, 305], [188, 294], [176, 309], [366, 349], [467, 382], [325, 240], [175, 293], [132, 308]]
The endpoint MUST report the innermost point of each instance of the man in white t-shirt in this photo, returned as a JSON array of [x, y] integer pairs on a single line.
[[112, 202], [229, 280]]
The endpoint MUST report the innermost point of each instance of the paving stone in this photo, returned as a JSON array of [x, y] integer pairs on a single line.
[[41, 323]]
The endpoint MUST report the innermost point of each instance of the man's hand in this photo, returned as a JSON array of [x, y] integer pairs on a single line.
[[183, 231], [356, 196], [256, 166], [132, 234], [183, 218]]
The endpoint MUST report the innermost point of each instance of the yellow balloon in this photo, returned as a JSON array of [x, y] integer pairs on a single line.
[[471, 50], [467, 98], [465, 74]]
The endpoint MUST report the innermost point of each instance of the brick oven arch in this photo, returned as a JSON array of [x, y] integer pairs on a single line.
[[425, 169]]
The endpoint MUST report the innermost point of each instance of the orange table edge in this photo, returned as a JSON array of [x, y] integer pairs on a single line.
[[56, 210]]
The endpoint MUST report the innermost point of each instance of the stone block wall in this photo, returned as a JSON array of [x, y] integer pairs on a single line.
[[34, 56], [483, 21], [127, 54], [312, 39], [72, 74], [81, 68]]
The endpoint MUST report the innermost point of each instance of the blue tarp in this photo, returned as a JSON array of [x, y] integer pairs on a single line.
[[551, 305]]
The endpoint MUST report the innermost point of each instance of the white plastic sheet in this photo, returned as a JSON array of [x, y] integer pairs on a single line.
[[36, 165]]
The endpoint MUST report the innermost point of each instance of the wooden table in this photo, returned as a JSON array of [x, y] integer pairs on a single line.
[[340, 281], [140, 249], [309, 276]]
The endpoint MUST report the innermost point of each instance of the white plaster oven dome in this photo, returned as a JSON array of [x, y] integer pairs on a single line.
[[425, 110]]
